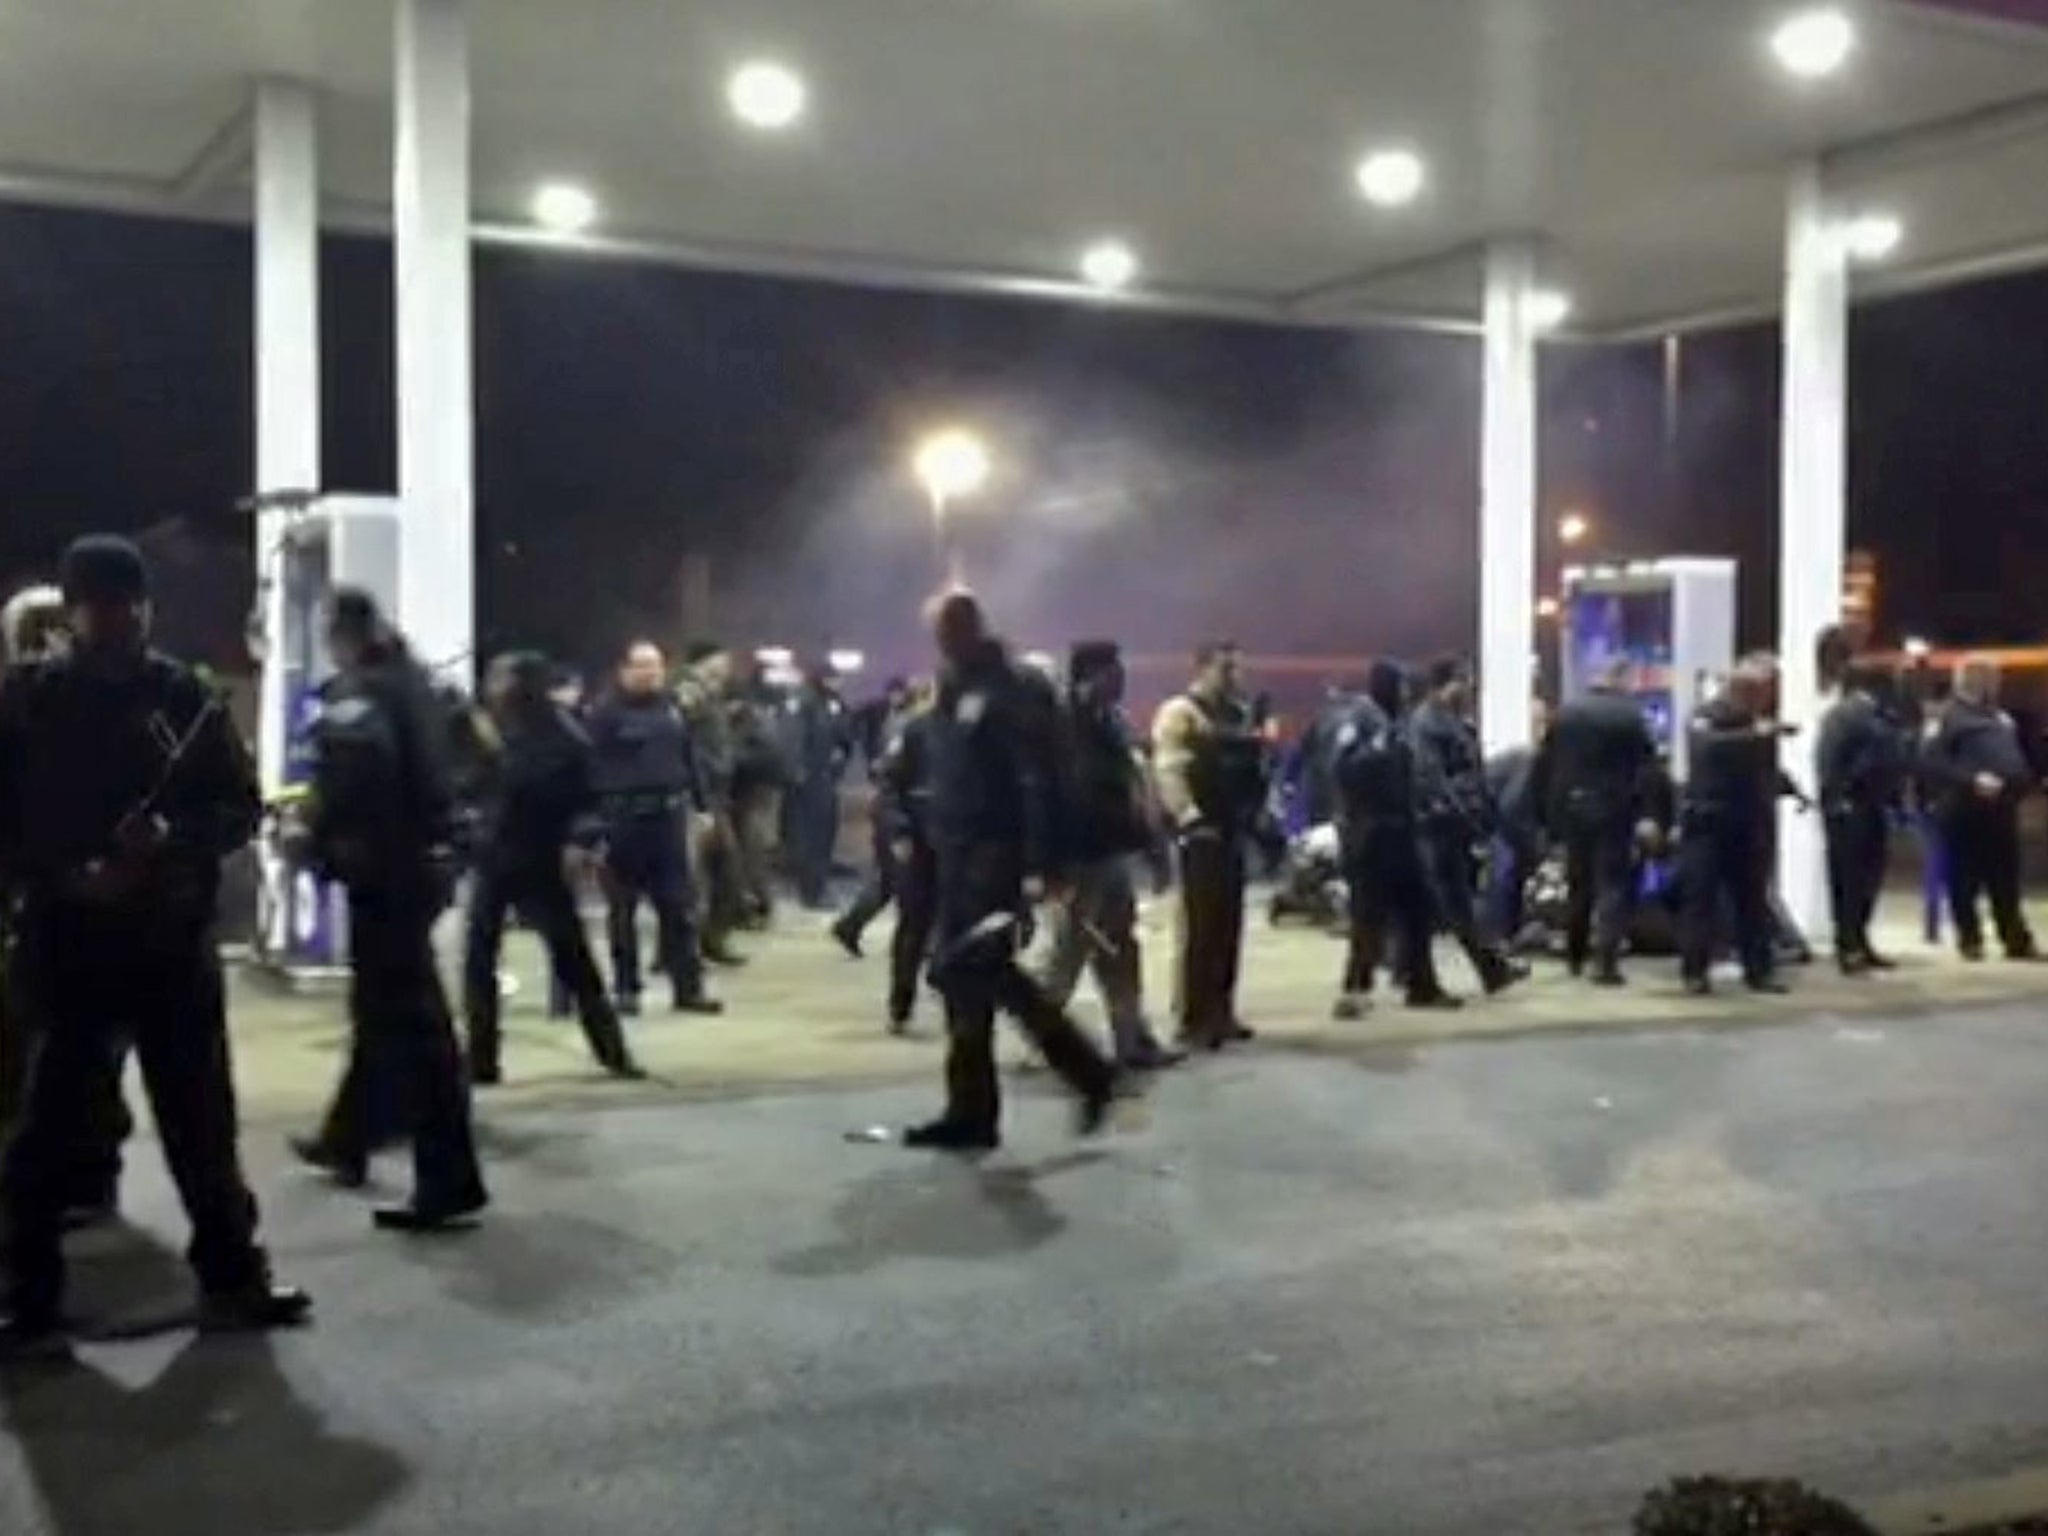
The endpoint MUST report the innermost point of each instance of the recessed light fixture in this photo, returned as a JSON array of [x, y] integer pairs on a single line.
[[1392, 178], [1814, 44], [1548, 309], [1872, 237], [561, 208], [1109, 265], [766, 95]]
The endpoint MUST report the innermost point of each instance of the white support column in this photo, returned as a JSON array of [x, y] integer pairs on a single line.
[[287, 362], [436, 403], [1507, 499], [1812, 508]]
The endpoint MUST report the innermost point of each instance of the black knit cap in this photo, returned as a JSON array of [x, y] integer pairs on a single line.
[[103, 568], [1088, 657]]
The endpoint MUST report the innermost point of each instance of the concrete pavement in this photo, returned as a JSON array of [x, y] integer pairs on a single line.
[[1479, 1286], [803, 1015]]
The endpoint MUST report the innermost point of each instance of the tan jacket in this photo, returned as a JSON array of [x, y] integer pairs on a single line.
[[1178, 731]]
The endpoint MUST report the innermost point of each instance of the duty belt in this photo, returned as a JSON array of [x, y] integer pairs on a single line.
[[642, 805]]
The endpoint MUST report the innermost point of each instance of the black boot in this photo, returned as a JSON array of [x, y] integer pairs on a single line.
[[348, 1169], [257, 1307], [700, 1002], [943, 1135], [433, 1213], [848, 938]]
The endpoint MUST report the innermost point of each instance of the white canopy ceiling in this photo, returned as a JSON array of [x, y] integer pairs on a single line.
[[985, 143]]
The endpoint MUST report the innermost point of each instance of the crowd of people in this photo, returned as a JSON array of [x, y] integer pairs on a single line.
[[1006, 797]]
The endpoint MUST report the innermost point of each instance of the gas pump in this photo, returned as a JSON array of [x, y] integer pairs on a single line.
[[313, 543], [1672, 622]]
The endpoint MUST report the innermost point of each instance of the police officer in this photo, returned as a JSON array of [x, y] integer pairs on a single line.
[[1210, 764], [990, 825], [543, 785], [877, 725], [1859, 763], [1372, 772], [1105, 824], [652, 792], [122, 787], [381, 823], [33, 629], [760, 777], [1726, 830], [705, 693], [903, 795], [1519, 836], [1454, 813], [817, 749], [1591, 780], [1978, 771]]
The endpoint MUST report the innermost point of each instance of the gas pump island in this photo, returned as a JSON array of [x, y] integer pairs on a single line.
[[312, 543]]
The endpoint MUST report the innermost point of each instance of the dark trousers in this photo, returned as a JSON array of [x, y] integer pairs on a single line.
[[1390, 908], [93, 990], [101, 1130], [1983, 843], [644, 858], [917, 913], [404, 1076], [1211, 935], [1724, 864], [1453, 876], [812, 823], [978, 980], [1599, 865], [542, 896], [1859, 840], [875, 893]]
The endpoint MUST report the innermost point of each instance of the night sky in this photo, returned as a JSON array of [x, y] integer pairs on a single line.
[[1158, 480]]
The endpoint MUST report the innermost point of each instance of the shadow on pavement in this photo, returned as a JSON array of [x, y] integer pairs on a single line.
[[216, 1442], [534, 1267], [939, 1208]]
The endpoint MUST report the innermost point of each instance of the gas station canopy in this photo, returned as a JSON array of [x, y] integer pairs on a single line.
[[986, 145]]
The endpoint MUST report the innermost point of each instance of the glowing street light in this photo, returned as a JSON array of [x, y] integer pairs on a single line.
[[950, 465], [1573, 528], [1918, 649], [1546, 608], [848, 663]]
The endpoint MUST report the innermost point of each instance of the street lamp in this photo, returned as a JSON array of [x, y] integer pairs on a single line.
[[950, 464], [1573, 527]]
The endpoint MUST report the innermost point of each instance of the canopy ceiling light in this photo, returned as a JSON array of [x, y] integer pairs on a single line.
[[766, 95], [564, 209], [1392, 178], [1109, 265], [1814, 44], [1872, 237]]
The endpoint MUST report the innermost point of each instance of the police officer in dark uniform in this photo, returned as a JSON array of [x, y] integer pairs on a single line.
[[1977, 769], [652, 792], [1726, 831], [543, 785], [1210, 764], [382, 823], [903, 795], [1372, 771], [122, 788], [1454, 813], [990, 824], [817, 736], [33, 629], [1859, 765], [876, 725], [1591, 780]]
